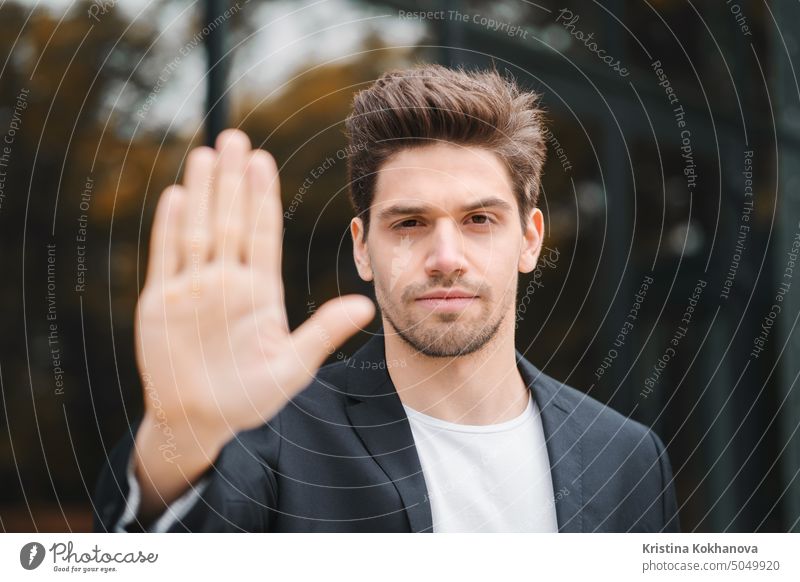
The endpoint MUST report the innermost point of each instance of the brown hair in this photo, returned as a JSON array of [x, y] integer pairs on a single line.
[[412, 107]]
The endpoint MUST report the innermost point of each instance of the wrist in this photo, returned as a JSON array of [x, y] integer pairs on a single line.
[[178, 440]]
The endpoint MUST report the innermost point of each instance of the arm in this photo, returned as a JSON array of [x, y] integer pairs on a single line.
[[117, 499], [174, 513], [213, 345], [238, 492]]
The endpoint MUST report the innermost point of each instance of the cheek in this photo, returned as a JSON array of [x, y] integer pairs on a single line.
[[495, 262], [502, 277], [497, 253], [389, 274]]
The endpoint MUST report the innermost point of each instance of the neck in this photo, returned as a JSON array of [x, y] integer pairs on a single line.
[[484, 387]]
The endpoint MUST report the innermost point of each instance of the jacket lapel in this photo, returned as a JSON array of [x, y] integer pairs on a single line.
[[563, 438], [377, 415]]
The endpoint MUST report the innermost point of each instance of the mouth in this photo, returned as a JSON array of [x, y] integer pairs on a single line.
[[452, 300]]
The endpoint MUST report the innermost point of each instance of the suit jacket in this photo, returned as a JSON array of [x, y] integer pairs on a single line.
[[340, 457]]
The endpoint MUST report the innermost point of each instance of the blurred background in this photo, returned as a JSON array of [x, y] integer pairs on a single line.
[[667, 287]]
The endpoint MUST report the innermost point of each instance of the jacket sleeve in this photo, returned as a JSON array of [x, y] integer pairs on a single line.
[[669, 503], [111, 497], [237, 493], [176, 510]]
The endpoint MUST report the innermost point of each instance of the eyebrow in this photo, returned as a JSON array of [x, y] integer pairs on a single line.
[[406, 209]]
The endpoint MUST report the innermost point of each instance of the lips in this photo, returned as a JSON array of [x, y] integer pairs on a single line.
[[447, 300], [447, 294]]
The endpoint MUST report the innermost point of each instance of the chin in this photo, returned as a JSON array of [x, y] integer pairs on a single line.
[[450, 338]]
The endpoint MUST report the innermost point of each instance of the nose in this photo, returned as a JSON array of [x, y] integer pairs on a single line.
[[446, 253]]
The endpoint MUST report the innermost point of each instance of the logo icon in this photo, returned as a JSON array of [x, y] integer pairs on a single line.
[[400, 259], [31, 555]]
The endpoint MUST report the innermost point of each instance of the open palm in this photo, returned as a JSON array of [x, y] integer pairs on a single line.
[[212, 339]]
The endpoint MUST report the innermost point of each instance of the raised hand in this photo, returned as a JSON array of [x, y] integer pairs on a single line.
[[212, 340]]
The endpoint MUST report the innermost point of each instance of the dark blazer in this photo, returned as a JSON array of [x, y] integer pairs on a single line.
[[340, 457]]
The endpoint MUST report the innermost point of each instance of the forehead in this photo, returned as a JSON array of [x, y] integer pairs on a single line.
[[444, 175]]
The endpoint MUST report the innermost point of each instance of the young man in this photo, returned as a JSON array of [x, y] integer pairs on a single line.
[[437, 423]]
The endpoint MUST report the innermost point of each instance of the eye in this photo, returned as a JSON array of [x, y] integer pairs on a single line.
[[485, 219], [405, 224]]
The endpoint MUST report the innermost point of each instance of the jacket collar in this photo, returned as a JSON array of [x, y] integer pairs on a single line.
[[376, 413]]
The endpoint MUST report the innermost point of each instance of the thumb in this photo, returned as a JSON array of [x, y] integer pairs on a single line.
[[329, 327]]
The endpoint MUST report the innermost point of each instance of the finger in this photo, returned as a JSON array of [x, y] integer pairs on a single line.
[[165, 239], [199, 183], [233, 149], [330, 326], [264, 239]]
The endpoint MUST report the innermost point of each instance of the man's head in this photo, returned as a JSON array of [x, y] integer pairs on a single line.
[[445, 169]]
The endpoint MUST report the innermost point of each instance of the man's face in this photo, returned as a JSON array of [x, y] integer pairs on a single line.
[[445, 247]]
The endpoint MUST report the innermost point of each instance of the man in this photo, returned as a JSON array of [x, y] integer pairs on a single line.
[[437, 423]]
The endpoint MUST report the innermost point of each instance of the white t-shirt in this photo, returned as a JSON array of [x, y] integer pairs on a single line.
[[486, 478]]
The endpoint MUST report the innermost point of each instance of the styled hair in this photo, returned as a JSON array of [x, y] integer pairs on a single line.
[[431, 103]]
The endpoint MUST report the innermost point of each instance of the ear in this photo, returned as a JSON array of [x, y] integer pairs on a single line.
[[531, 241], [360, 250]]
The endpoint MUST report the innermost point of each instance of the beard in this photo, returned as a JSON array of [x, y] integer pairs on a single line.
[[442, 334]]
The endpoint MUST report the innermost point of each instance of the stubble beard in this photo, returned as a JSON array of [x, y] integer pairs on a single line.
[[444, 335]]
